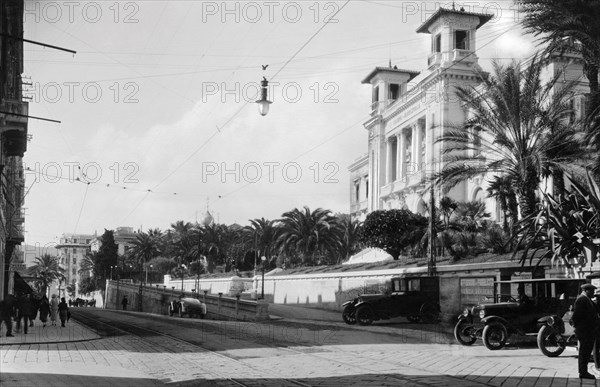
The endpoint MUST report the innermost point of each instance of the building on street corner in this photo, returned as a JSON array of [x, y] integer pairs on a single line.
[[13, 142]]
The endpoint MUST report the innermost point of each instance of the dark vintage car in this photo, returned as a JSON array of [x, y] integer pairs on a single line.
[[556, 331], [518, 307], [416, 298], [187, 306]]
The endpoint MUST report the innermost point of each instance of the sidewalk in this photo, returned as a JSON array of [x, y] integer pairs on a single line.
[[37, 334]]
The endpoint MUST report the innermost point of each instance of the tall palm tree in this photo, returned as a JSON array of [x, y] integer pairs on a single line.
[[144, 247], [501, 188], [350, 236], [517, 122], [571, 25], [307, 234], [262, 235], [46, 269]]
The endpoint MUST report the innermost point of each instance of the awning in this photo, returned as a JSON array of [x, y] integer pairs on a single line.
[[21, 286]]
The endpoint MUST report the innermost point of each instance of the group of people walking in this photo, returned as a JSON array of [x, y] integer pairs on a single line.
[[24, 309]]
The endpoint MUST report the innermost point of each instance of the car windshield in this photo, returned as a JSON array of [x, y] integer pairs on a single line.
[[538, 290]]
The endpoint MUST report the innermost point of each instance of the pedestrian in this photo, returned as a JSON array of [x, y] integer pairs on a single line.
[[44, 309], [54, 309], [585, 320], [125, 302], [25, 311], [63, 311], [34, 311], [7, 312]]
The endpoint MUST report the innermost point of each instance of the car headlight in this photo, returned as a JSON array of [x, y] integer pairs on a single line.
[[466, 312], [482, 313], [551, 321]]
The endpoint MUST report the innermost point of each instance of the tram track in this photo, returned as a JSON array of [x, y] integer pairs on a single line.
[[105, 327]]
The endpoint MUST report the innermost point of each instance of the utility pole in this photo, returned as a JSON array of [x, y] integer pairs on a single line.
[[431, 269]]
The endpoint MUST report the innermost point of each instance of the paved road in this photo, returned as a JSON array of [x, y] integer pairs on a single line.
[[283, 352]]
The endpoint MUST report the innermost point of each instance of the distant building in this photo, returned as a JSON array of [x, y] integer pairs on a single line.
[[71, 251], [411, 109], [13, 142]]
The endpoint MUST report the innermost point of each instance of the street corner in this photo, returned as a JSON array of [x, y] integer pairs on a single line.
[[38, 334]]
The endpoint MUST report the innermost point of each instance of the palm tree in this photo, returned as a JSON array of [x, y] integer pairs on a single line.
[[570, 25], [306, 235], [262, 235], [501, 188], [350, 237], [46, 269], [516, 124], [144, 247]]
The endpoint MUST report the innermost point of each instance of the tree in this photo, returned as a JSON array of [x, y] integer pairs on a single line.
[[516, 123], [350, 237], [262, 235], [107, 254], [46, 270], [144, 247], [393, 230], [501, 188], [571, 25], [308, 235]]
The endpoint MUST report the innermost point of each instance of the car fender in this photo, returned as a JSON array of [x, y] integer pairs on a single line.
[[493, 319], [553, 321], [468, 319], [347, 303], [363, 303]]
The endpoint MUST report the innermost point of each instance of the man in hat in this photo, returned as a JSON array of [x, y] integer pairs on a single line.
[[585, 320]]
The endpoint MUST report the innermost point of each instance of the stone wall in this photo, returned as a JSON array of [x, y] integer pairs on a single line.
[[156, 299]]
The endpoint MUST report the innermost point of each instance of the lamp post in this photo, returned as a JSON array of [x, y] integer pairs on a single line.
[[263, 102], [147, 272], [262, 292], [112, 267]]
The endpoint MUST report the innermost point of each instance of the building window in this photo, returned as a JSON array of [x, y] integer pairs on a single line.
[[367, 187], [357, 191], [74, 271], [74, 240], [436, 43], [87, 241], [375, 94], [74, 250], [461, 40], [74, 261], [394, 91]]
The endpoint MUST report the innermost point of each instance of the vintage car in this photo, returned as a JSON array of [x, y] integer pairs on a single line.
[[556, 331], [416, 298], [518, 307], [187, 306]]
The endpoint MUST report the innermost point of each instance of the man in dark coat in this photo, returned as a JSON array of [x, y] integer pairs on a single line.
[[585, 320], [124, 302], [7, 312], [26, 309]]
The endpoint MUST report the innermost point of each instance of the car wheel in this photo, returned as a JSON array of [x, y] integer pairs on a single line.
[[413, 319], [364, 315], [349, 315], [429, 313], [550, 342], [494, 336], [464, 333]]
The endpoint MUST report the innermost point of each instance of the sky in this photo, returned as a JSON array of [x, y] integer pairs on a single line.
[[157, 113]]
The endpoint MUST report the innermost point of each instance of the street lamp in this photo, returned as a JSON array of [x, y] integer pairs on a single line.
[[263, 102], [262, 292], [147, 272]]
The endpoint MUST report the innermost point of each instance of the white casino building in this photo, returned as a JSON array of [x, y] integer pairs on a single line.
[[409, 111]]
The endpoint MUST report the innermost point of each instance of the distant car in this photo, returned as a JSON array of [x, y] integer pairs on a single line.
[[504, 315], [416, 298], [187, 306]]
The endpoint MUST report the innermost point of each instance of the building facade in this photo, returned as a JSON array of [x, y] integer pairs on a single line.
[[13, 142], [72, 248], [410, 111]]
